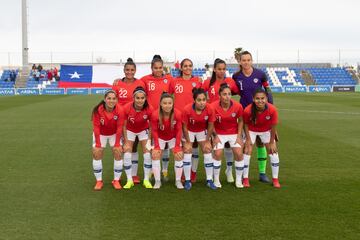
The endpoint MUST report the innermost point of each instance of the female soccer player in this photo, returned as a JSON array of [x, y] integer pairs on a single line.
[[124, 88], [107, 118], [181, 88], [228, 129], [260, 120], [137, 125], [155, 84], [198, 124], [166, 129], [212, 87], [248, 79]]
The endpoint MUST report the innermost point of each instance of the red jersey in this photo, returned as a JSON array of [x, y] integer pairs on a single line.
[[198, 122], [165, 132], [213, 90], [182, 90], [108, 123], [227, 121], [155, 87], [124, 91], [137, 121], [264, 120]]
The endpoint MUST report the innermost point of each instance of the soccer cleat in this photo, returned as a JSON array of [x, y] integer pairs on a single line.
[[129, 185], [179, 184], [193, 177], [239, 184], [116, 184], [263, 178], [98, 185], [165, 176], [229, 177], [246, 182], [276, 183], [136, 179], [210, 184], [217, 184], [183, 178], [147, 184], [187, 185], [157, 185]]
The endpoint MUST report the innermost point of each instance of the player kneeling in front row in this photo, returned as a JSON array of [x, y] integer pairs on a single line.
[[198, 123], [107, 118], [166, 129], [228, 128], [260, 120], [137, 124]]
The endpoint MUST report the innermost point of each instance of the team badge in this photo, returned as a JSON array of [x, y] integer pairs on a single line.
[[206, 118], [193, 84], [115, 118], [145, 116], [233, 114], [102, 121], [174, 122], [165, 81], [267, 117], [256, 80]]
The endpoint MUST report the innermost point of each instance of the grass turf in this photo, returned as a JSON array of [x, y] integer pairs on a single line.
[[46, 179]]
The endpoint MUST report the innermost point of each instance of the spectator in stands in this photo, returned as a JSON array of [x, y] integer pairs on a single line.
[[40, 68], [33, 67], [50, 74], [13, 75], [56, 74], [36, 75]]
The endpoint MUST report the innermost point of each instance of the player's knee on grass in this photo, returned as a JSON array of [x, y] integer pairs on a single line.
[[97, 153], [247, 150], [143, 145], [178, 156], [218, 154], [238, 154], [128, 147], [206, 147], [156, 154], [187, 148], [117, 153]]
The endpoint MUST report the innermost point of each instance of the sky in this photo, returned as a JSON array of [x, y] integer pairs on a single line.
[[144, 26]]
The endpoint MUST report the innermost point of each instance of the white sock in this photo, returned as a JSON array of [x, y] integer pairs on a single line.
[[134, 163], [178, 170], [195, 159], [127, 165], [274, 158], [118, 167], [165, 159], [97, 167], [209, 166], [156, 169], [147, 166], [187, 165], [229, 156], [239, 168], [217, 167], [246, 165]]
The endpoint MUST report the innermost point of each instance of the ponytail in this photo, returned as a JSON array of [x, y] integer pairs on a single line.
[[213, 76]]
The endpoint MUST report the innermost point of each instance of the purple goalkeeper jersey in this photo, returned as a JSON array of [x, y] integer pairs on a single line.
[[248, 85]]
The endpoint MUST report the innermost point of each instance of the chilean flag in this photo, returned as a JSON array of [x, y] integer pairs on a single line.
[[76, 76]]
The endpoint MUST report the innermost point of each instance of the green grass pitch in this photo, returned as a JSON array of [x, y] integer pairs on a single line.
[[46, 179]]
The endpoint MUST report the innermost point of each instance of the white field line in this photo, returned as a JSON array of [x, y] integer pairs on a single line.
[[316, 111]]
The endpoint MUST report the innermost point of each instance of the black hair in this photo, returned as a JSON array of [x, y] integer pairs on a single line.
[[213, 76], [140, 88], [182, 64], [161, 113], [253, 105], [223, 86], [242, 54], [197, 91], [130, 62], [102, 102], [157, 58]]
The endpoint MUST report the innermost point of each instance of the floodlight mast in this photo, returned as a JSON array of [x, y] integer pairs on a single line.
[[25, 48]]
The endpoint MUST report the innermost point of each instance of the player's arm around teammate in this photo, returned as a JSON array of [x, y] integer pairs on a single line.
[[198, 125], [107, 118], [261, 119], [228, 129]]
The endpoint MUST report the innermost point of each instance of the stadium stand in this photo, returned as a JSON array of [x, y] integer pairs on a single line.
[[331, 76], [7, 80]]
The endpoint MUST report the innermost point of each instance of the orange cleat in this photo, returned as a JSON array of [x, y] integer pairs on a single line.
[[116, 184], [136, 179], [246, 182], [98, 185], [276, 183]]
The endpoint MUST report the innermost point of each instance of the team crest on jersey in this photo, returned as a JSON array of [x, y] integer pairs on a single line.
[[256, 80], [174, 122], [233, 114], [193, 84], [145, 116], [162, 127], [206, 118], [115, 117], [165, 81], [267, 117], [102, 121]]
